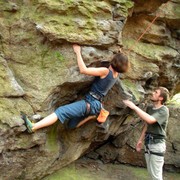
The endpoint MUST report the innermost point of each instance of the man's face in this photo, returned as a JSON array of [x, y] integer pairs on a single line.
[[156, 96]]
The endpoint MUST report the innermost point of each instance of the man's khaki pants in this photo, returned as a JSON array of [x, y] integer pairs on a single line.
[[155, 162]]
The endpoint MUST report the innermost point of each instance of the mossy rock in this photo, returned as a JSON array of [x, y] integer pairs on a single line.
[[134, 88], [10, 111], [153, 52], [10, 85]]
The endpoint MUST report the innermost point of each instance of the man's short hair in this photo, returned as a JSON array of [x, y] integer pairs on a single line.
[[164, 93]]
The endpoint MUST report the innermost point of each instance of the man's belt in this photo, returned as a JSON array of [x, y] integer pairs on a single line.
[[154, 153], [96, 96], [153, 138]]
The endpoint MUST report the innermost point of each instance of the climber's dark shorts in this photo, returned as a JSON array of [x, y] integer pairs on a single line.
[[75, 112]]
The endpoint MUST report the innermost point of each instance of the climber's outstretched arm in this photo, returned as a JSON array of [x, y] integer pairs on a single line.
[[101, 71]]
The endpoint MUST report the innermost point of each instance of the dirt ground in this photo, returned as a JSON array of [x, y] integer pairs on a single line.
[[87, 169]]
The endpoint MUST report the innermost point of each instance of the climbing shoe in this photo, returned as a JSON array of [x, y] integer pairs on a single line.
[[27, 122]]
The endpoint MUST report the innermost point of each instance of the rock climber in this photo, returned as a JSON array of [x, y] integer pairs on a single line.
[[79, 112]]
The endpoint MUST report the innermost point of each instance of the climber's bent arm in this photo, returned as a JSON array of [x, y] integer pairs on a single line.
[[101, 71]]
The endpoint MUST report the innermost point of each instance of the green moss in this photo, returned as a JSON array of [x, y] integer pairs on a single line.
[[103, 6], [172, 10], [59, 56], [51, 58], [95, 171], [130, 85], [140, 66], [68, 1], [52, 138], [60, 23], [139, 173], [124, 6], [150, 51], [91, 24], [68, 173]]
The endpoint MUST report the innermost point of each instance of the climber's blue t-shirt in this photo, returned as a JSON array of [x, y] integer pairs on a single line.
[[101, 86]]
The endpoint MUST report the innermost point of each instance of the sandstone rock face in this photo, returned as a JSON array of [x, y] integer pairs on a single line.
[[39, 72]]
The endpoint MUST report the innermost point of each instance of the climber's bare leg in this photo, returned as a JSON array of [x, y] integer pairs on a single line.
[[86, 120], [47, 121]]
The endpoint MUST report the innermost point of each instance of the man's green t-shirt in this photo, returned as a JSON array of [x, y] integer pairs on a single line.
[[161, 115]]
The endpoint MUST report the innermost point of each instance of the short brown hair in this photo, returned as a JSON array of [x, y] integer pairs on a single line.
[[120, 63], [164, 93]]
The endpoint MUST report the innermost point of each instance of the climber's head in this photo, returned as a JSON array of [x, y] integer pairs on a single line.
[[120, 63]]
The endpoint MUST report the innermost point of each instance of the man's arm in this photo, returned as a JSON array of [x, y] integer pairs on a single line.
[[143, 115], [141, 139]]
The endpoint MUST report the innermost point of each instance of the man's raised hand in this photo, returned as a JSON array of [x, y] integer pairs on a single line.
[[129, 103]]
